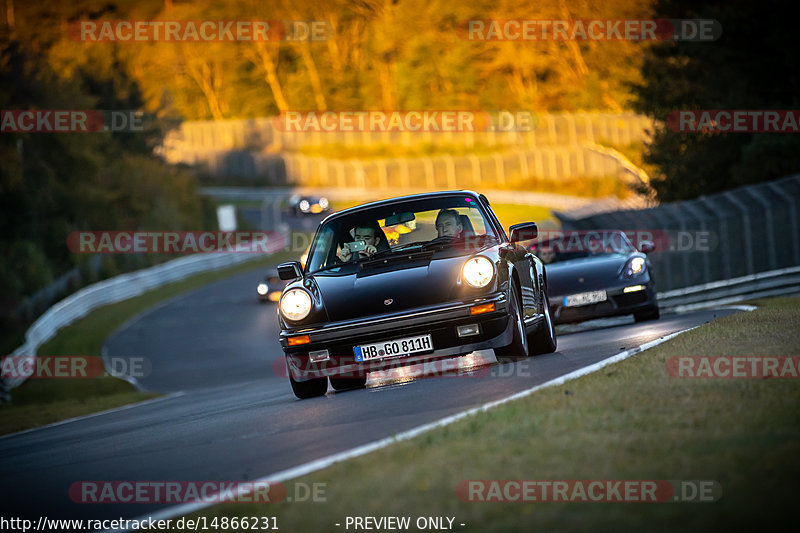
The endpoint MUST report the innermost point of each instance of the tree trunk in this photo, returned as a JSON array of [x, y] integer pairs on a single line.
[[208, 77], [313, 74], [271, 75]]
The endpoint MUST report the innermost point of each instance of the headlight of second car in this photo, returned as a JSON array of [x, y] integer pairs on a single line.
[[295, 304], [478, 271], [635, 267], [262, 289]]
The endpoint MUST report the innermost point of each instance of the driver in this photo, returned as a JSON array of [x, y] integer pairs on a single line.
[[448, 223], [365, 233]]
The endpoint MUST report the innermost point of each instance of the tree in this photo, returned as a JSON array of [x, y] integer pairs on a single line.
[[754, 65]]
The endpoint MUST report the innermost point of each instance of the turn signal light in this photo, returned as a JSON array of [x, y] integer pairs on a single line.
[[482, 308], [302, 339]]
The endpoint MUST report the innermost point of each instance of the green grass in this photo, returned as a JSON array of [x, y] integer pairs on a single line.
[[627, 421], [42, 401]]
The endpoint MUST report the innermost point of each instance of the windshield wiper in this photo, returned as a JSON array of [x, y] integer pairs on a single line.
[[442, 242], [408, 246], [473, 242], [330, 267], [390, 251], [439, 242]]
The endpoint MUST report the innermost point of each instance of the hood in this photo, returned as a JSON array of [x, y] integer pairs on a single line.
[[581, 275], [409, 284]]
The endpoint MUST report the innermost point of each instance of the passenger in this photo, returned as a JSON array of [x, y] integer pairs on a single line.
[[366, 233]]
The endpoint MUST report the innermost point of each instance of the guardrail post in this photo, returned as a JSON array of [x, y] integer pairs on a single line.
[[451, 171], [406, 181], [500, 169], [383, 178], [476, 169], [748, 234], [276, 213], [692, 208], [724, 241], [770, 229], [793, 218], [523, 164], [429, 178]]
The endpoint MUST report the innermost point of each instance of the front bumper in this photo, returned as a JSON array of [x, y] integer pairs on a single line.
[[340, 338], [618, 303]]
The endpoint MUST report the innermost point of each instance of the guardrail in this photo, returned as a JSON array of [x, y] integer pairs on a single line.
[[784, 281], [724, 236], [123, 287]]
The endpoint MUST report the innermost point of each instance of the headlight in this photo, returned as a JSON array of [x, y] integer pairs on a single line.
[[304, 205], [295, 304], [323, 203], [635, 267], [478, 271], [262, 289]]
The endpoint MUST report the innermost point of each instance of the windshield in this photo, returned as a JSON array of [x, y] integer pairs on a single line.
[[582, 244], [426, 224]]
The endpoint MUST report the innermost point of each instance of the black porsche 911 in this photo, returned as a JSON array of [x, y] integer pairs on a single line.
[[594, 274], [410, 280]]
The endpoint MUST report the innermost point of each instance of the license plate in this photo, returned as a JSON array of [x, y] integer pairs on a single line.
[[585, 298], [394, 348]]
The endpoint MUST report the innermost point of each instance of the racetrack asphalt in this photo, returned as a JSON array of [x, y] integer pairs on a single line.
[[234, 418]]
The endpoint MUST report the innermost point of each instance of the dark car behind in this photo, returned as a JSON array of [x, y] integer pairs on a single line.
[[596, 274]]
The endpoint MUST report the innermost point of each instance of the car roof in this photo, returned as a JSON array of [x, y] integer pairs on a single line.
[[389, 201]]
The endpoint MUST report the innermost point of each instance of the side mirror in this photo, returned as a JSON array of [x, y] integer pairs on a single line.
[[646, 247], [523, 232], [290, 270]]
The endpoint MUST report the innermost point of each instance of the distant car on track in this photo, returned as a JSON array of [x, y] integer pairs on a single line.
[[308, 205], [270, 289], [594, 274], [406, 280]]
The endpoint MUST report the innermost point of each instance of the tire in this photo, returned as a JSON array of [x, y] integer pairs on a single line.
[[518, 349], [309, 389], [340, 384], [544, 340], [648, 314]]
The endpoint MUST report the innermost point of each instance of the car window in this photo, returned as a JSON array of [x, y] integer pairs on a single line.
[[399, 225], [582, 244], [423, 227]]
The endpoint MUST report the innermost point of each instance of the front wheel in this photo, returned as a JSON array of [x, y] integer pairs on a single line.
[[309, 389], [543, 340], [651, 313], [518, 349]]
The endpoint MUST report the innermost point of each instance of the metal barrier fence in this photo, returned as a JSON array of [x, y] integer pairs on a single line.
[[742, 232], [550, 129], [500, 170], [560, 146], [123, 287]]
